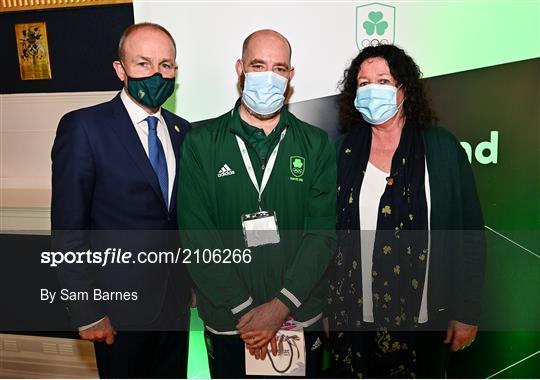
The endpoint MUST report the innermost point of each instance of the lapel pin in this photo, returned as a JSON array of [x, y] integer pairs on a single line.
[[176, 128]]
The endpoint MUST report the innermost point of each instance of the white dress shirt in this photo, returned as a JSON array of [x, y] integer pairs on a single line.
[[373, 187]]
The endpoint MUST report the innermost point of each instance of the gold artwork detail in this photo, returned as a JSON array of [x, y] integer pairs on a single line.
[[31, 5], [33, 51]]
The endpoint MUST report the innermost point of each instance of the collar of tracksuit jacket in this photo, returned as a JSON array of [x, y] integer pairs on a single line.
[[254, 137]]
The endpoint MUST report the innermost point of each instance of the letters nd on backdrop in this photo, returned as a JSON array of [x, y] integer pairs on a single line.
[[483, 83]]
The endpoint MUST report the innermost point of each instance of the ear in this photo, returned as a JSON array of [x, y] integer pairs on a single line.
[[291, 74], [120, 73], [239, 68]]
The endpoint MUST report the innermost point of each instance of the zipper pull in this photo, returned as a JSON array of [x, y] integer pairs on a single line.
[[263, 164]]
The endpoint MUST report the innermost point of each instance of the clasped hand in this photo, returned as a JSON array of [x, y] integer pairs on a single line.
[[259, 327]]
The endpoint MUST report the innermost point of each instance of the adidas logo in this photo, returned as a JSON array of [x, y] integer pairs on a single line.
[[316, 345], [225, 171]]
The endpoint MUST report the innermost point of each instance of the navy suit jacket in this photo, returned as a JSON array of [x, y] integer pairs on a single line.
[[105, 194]]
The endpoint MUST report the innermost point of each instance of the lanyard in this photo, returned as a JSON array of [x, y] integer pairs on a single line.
[[267, 169]]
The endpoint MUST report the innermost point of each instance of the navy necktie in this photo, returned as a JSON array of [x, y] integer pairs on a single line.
[[157, 157]]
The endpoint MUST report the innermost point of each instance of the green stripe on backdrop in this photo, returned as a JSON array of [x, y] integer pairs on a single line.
[[198, 362]]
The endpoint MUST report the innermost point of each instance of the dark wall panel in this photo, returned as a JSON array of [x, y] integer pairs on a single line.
[[82, 45]]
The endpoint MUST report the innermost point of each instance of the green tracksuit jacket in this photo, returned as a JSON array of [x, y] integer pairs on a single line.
[[215, 191]]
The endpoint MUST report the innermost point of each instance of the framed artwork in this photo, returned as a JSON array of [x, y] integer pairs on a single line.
[[33, 51]]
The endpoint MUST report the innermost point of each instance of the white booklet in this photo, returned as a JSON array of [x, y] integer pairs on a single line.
[[291, 357]]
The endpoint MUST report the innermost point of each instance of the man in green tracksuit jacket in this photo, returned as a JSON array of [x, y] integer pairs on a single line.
[[258, 144]]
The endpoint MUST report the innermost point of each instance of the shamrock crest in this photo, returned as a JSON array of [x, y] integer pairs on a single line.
[[375, 24]]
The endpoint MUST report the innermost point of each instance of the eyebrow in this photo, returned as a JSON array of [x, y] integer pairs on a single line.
[[379, 75], [282, 64], [150, 60], [257, 60], [143, 57]]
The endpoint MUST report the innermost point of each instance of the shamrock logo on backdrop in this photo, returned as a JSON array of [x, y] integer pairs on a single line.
[[375, 23], [297, 165]]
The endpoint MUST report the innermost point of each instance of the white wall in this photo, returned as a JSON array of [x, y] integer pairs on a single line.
[[27, 128], [442, 36]]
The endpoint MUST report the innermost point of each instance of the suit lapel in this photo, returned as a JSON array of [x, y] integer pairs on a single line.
[[128, 137], [175, 134]]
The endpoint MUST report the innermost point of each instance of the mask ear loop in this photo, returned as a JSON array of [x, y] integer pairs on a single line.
[[125, 71], [243, 71], [123, 67], [403, 101]]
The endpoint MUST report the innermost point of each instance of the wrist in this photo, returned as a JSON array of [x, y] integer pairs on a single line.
[[281, 308]]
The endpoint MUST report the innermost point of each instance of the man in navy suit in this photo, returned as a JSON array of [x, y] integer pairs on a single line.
[[114, 186]]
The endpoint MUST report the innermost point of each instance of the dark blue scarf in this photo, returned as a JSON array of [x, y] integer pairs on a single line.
[[401, 240]]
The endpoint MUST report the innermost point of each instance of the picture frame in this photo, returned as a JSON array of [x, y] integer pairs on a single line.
[[33, 51]]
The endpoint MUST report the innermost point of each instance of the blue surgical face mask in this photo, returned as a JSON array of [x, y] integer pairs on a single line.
[[377, 102], [264, 92]]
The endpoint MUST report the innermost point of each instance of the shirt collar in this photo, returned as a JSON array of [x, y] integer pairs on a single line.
[[246, 130], [135, 112]]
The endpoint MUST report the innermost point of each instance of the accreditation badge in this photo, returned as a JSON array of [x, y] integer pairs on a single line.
[[291, 358], [260, 228]]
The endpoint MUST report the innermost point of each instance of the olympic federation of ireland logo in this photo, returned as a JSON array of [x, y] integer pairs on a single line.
[[375, 25], [298, 165]]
